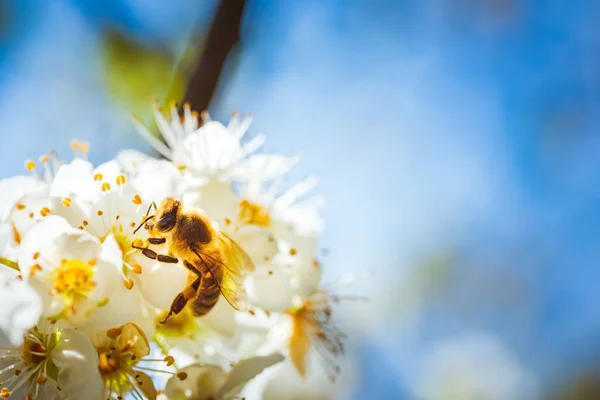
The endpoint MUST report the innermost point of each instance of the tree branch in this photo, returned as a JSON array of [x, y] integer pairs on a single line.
[[223, 35]]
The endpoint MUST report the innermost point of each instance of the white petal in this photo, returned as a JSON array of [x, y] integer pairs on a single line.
[[263, 167], [202, 382], [271, 292], [221, 318], [109, 171], [130, 160], [246, 370], [157, 179], [76, 179], [77, 362], [211, 148], [161, 283], [21, 308], [42, 238], [256, 241], [13, 189], [218, 200]]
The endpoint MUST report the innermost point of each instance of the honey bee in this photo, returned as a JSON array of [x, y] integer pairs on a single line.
[[216, 263]]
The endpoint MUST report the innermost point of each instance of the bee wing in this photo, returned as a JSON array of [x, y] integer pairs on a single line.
[[235, 257], [236, 262]]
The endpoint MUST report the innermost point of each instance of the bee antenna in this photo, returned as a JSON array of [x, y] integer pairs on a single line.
[[142, 224]]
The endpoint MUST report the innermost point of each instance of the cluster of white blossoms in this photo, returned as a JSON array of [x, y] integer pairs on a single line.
[[85, 301]]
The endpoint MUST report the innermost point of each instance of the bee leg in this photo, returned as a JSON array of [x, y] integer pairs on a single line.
[[182, 299], [156, 240], [153, 256], [191, 267]]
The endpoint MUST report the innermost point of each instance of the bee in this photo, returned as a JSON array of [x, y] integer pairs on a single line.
[[216, 263]]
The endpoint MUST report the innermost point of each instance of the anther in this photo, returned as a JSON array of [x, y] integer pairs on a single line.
[[100, 212], [36, 255], [35, 267], [98, 177], [67, 202], [44, 159], [105, 187], [20, 206], [169, 360], [182, 376], [293, 251], [74, 145], [114, 332], [30, 165], [44, 211], [136, 269], [41, 380], [128, 283], [137, 200], [84, 147]]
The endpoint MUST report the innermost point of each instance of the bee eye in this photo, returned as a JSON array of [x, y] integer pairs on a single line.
[[166, 222]]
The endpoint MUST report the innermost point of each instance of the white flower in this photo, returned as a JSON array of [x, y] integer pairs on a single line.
[[50, 358], [474, 366], [123, 363], [214, 151], [209, 382], [104, 203], [21, 308], [77, 276]]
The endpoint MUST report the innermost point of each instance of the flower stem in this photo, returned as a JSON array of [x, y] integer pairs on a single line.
[[9, 263]]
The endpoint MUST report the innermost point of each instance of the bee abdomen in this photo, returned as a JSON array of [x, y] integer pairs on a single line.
[[207, 295]]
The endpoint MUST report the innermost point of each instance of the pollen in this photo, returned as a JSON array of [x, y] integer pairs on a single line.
[[253, 214], [84, 223], [67, 202], [105, 187], [36, 255], [137, 200], [31, 215], [20, 206], [100, 212], [35, 267], [132, 224], [293, 251], [182, 376], [44, 159], [128, 283], [98, 177], [227, 221], [137, 269], [30, 165], [169, 360], [84, 147], [5, 394], [44, 211], [73, 279]]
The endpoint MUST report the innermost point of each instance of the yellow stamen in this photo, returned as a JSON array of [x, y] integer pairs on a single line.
[[44, 211], [84, 147], [20, 206], [128, 283], [137, 200], [121, 180], [67, 202], [137, 269], [98, 177], [44, 159], [105, 187], [253, 214], [29, 165], [74, 145]]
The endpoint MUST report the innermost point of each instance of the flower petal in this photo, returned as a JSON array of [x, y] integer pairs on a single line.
[[256, 241], [157, 179], [75, 180], [134, 340], [21, 308], [202, 382], [145, 384], [263, 167], [13, 189], [246, 370], [152, 284], [77, 361]]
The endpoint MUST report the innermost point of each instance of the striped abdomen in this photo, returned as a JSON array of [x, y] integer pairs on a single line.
[[207, 295]]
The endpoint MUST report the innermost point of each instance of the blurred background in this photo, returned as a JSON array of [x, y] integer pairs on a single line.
[[456, 141]]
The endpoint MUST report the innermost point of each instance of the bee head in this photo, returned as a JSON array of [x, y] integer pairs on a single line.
[[166, 216]]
